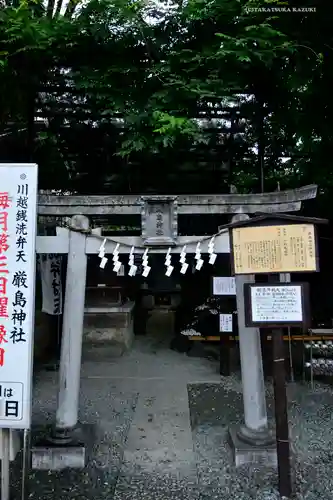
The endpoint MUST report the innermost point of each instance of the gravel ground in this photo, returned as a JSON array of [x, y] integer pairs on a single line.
[[214, 407], [123, 463], [105, 415]]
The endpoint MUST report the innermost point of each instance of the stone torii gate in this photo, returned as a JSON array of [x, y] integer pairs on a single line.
[[159, 231]]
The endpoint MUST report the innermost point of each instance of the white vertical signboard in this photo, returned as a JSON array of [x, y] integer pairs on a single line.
[[225, 323], [18, 206]]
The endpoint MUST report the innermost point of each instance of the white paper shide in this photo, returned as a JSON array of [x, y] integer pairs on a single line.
[[18, 201], [276, 304]]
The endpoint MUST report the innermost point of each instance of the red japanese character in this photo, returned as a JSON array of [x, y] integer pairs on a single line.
[[2, 357], [3, 264], [3, 221], [3, 307], [3, 285], [4, 201], [3, 334], [3, 242]]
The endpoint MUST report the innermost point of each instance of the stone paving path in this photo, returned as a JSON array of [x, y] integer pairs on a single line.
[[139, 407], [160, 420]]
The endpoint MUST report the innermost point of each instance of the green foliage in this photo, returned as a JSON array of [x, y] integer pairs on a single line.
[[126, 84]]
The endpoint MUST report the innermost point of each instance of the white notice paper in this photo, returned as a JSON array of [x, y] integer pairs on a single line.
[[226, 323], [276, 304], [224, 286], [18, 201]]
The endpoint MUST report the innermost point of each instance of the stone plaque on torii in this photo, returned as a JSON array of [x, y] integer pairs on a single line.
[[159, 220]]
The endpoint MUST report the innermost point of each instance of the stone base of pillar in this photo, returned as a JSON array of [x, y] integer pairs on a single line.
[[262, 437], [257, 448], [56, 454], [45, 456]]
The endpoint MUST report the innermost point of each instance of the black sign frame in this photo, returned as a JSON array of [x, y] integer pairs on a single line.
[[305, 297]]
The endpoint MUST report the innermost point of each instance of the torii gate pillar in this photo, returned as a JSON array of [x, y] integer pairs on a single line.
[[252, 442]]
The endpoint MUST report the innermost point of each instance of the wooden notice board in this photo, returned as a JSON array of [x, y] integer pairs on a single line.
[[274, 249]]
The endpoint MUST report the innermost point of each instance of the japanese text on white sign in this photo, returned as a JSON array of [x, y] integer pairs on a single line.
[[18, 201], [224, 286], [226, 323], [276, 304]]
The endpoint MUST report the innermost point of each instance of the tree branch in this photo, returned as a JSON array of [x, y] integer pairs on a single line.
[[58, 8], [71, 8], [50, 8]]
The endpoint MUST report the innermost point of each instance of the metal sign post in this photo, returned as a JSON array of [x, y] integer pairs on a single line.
[[5, 488], [281, 414], [25, 462]]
